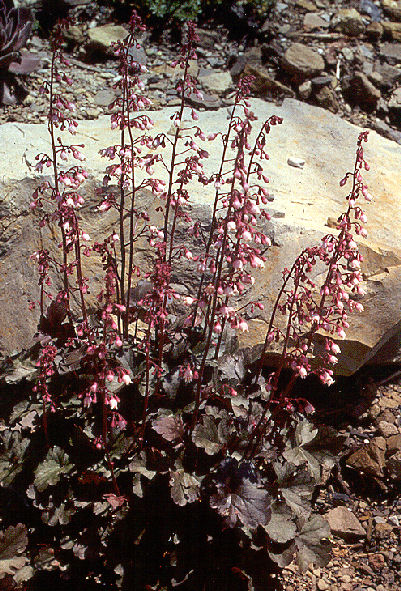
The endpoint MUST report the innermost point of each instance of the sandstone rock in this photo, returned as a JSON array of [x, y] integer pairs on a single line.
[[392, 30], [306, 5], [305, 90], [344, 523], [392, 8], [348, 21], [389, 74], [394, 466], [394, 444], [302, 61], [101, 39], [216, 81], [387, 429], [369, 459], [358, 90], [264, 84], [374, 31], [313, 21], [326, 98], [306, 198], [391, 52], [75, 35], [394, 106]]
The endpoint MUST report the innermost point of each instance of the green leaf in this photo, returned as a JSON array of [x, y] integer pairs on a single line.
[[50, 470], [13, 543]]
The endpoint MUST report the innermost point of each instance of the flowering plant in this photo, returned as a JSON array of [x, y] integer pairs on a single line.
[[153, 454]]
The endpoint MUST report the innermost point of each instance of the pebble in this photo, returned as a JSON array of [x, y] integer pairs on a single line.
[[296, 162]]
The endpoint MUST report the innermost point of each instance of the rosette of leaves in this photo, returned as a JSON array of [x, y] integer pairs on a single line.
[[15, 28]]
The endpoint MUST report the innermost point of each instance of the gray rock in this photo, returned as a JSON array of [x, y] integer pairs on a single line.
[[389, 74], [368, 7], [302, 61], [344, 523], [348, 21], [104, 97]]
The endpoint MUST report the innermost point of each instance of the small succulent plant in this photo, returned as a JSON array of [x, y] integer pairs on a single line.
[[15, 28]]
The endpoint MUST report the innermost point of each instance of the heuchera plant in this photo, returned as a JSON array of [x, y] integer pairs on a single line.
[[15, 28], [153, 457]]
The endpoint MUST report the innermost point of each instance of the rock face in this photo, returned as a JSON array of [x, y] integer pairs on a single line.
[[302, 61], [344, 524], [306, 200]]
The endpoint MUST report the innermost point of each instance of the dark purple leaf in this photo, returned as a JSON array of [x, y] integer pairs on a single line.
[[29, 63], [13, 543], [170, 428]]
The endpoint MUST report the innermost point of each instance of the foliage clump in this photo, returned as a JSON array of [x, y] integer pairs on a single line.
[[149, 454]]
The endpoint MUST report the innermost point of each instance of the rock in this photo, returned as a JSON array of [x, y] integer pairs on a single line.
[[344, 523], [326, 98], [348, 21], [394, 444], [374, 31], [264, 84], [392, 8], [75, 35], [392, 30], [323, 585], [387, 429], [306, 5], [394, 106], [296, 162], [302, 62], [313, 21], [369, 459], [216, 81], [103, 98], [138, 54], [368, 7], [101, 39], [306, 199], [390, 133], [358, 90], [394, 466], [390, 52], [305, 90], [389, 74]]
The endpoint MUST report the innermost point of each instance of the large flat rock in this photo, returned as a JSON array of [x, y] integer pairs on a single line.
[[305, 202]]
